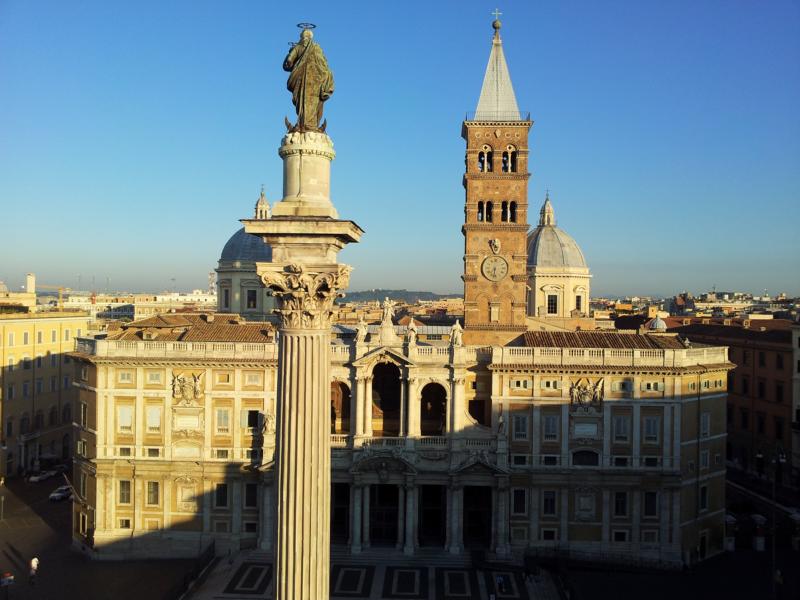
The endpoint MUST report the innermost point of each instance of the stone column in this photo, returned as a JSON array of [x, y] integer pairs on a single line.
[[412, 401], [402, 429], [456, 529], [411, 514], [365, 516], [358, 410], [401, 513], [355, 536], [458, 406], [267, 517], [367, 406], [502, 548]]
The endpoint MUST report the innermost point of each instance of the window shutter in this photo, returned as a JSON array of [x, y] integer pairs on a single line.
[[615, 386], [543, 384], [557, 385]]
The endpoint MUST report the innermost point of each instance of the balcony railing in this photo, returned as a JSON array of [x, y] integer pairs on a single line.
[[609, 356]]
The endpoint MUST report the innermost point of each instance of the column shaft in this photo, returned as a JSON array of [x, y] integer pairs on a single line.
[[302, 559], [365, 510], [355, 538]]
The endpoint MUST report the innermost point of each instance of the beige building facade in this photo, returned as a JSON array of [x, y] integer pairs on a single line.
[[36, 389]]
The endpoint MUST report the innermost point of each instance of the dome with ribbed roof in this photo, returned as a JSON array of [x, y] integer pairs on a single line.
[[549, 246], [245, 247]]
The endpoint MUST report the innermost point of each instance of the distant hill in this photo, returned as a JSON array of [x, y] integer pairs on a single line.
[[400, 295]]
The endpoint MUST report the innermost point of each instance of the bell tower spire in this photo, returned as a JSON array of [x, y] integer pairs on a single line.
[[496, 208]]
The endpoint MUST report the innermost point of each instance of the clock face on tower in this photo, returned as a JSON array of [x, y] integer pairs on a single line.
[[494, 268]]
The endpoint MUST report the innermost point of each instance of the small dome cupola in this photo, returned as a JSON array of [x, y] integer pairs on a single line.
[[547, 216], [262, 206]]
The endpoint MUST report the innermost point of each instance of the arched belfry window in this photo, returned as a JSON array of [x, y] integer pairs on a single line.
[[488, 216], [504, 211], [513, 212], [480, 211], [485, 159], [510, 160]]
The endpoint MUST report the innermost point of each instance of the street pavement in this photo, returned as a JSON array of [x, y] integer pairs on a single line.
[[34, 526]]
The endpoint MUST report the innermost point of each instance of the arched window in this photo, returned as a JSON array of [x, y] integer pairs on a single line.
[[513, 212], [510, 160], [585, 458], [485, 159], [340, 408], [480, 211], [385, 400], [433, 410], [504, 211], [488, 217]]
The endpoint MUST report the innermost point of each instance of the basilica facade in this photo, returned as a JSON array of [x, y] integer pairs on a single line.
[[519, 433]]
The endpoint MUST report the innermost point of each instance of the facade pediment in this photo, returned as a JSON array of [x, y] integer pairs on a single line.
[[478, 465], [384, 463], [383, 354]]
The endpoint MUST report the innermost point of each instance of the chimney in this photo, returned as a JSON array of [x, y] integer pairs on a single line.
[[30, 283]]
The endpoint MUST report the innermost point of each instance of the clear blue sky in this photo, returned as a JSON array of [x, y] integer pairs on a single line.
[[134, 135]]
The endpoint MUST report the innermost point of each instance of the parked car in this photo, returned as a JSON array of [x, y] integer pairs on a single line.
[[41, 476], [61, 493]]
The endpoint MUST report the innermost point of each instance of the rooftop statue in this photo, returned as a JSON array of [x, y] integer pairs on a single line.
[[310, 81]]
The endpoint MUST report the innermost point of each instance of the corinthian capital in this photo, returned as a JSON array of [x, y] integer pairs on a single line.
[[305, 297]]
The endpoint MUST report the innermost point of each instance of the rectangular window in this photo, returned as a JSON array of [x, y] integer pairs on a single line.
[[778, 429], [622, 428], [620, 461], [124, 491], [10, 392], [761, 388], [251, 495], [622, 386], [125, 377], [66, 335], [221, 495], [744, 418], [779, 361], [125, 419], [252, 378], [252, 298], [223, 377], [66, 382], [82, 485], [53, 383], [549, 535], [39, 386], [25, 389], [552, 304], [520, 427], [551, 428], [25, 338], [745, 386], [220, 453], [10, 339], [519, 502], [761, 420], [652, 426], [153, 452], [125, 451], [519, 460], [650, 536], [253, 420], [705, 424], [152, 493], [39, 362], [154, 377], [620, 535], [703, 497], [779, 392], [54, 360], [53, 335], [548, 503], [651, 504], [124, 523], [226, 298], [223, 420], [704, 459], [84, 413], [39, 336], [579, 303], [620, 504], [153, 419], [762, 359]]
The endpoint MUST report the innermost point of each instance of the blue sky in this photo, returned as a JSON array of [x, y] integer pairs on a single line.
[[134, 135]]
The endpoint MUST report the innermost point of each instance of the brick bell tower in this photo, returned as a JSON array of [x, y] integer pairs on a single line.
[[496, 209]]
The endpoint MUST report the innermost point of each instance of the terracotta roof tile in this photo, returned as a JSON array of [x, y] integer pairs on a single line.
[[195, 328], [605, 339]]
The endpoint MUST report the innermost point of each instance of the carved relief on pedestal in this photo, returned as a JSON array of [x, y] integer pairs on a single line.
[[586, 395], [305, 298]]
